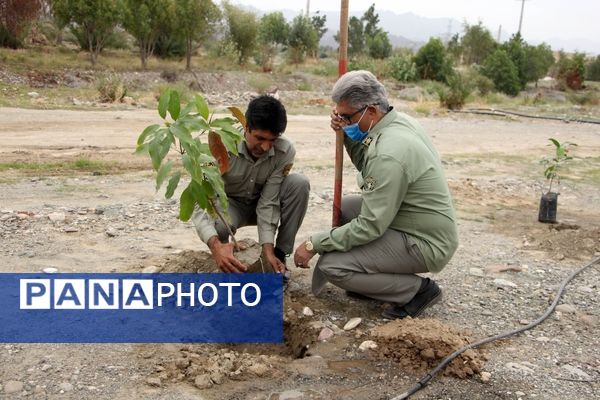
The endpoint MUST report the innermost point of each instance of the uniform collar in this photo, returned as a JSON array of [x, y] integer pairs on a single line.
[[383, 123]]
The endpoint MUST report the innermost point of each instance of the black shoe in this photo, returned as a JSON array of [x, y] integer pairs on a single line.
[[287, 275], [429, 294]]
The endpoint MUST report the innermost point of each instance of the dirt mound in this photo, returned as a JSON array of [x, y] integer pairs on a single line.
[[564, 240], [190, 261], [420, 344]]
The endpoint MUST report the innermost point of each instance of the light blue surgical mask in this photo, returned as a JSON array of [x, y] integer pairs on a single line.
[[354, 132]]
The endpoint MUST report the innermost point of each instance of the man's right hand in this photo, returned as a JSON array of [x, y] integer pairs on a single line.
[[223, 255], [337, 122]]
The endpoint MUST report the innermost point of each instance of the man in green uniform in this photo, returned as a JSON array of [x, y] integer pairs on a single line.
[[403, 223], [260, 189]]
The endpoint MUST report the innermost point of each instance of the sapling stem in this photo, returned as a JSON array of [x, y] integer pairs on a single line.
[[222, 218]]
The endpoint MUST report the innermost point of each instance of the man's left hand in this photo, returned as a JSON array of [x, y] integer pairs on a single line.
[[302, 256], [269, 253]]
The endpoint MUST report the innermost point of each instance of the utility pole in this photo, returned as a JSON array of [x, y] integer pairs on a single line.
[[521, 19], [307, 8], [339, 136], [499, 34]]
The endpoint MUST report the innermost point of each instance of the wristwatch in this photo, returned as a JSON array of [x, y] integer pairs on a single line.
[[308, 245]]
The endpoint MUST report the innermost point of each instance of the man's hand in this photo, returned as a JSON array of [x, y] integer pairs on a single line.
[[223, 255], [269, 253], [302, 256], [337, 122]]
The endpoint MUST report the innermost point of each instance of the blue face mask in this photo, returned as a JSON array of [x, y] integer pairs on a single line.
[[353, 130]]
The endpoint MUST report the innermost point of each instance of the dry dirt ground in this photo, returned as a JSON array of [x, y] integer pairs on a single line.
[[503, 275]]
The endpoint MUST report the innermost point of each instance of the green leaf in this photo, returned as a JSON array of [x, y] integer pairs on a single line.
[[187, 109], [201, 106], [181, 133], [174, 105], [162, 173], [173, 182], [556, 142], [163, 103], [186, 204], [142, 148], [148, 131]]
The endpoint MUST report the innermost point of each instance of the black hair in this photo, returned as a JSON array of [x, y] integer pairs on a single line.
[[266, 113]]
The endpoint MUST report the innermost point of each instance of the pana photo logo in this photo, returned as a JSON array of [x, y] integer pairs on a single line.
[[141, 308], [133, 294]]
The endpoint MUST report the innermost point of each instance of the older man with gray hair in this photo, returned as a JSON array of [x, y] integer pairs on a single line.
[[403, 223]]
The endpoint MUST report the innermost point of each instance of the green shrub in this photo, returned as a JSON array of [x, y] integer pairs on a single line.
[[326, 68], [402, 68], [479, 82], [260, 83], [593, 69], [454, 96], [362, 63], [112, 88], [433, 62], [570, 70], [502, 71]]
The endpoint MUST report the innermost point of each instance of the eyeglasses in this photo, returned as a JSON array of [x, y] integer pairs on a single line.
[[348, 117]]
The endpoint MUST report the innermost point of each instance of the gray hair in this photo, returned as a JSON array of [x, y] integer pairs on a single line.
[[360, 89]]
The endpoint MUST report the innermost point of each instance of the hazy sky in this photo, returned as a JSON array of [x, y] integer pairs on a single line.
[[542, 20]]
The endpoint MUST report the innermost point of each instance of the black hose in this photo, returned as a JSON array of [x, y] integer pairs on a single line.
[[427, 377], [504, 113]]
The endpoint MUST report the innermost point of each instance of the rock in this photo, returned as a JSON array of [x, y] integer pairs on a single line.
[[542, 339], [151, 269], [57, 217], [291, 395], [367, 345], [110, 232], [485, 376], [203, 381], [520, 394], [496, 269], [566, 308], [217, 378], [576, 372], [428, 354], [23, 215], [588, 319], [504, 284], [50, 270], [71, 229], [13, 387], [66, 386], [307, 312], [523, 322], [154, 381], [33, 95], [46, 367], [353, 323], [476, 272], [259, 369], [325, 334], [520, 368]]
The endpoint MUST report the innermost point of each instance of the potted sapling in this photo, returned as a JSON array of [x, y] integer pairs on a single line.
[[554, 165]]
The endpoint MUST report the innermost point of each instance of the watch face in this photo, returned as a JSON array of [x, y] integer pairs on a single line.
[[309, 246]]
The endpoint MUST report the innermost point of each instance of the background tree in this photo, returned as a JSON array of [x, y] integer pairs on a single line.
[[501, 70], [303, 38], [370, 19], [432, 61], [356, 37], [143, 19], [593, 69], [195, 21], [16, 17], [515, 48], [242, 30], [477, 44], [92, 21], [379, 45], [273, 31], [318, 22], [571, 70], [454, 48], [538, 60]]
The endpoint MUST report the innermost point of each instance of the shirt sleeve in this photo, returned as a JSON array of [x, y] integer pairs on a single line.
[[356, 151], [204, 224], [268, 209], [385, 186]]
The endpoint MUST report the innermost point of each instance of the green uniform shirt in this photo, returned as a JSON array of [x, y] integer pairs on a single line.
[[403, 188], [254, 182]]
